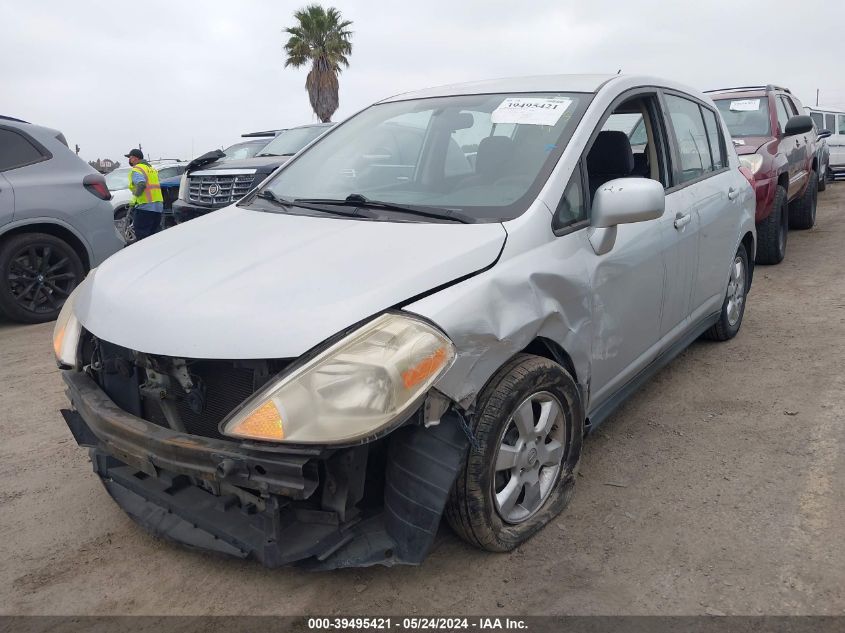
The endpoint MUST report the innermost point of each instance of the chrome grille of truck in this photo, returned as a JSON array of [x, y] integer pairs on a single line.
[[218, 190]]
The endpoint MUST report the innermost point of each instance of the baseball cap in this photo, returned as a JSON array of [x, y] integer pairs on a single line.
[[136, 153]]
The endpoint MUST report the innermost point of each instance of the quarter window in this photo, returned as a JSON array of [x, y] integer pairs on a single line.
[[783, 115], [571, 208], [691, 137], [16, 151], [715, 138]]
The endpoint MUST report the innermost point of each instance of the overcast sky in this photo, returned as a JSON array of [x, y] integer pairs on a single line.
[[182, 77]]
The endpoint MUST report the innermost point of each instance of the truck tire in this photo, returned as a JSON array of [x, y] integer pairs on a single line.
[[823, 179], [529, 428], [772, 232], [802, 212], [37, 273]]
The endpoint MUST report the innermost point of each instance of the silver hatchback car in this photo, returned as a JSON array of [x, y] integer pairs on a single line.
[[422, 313]]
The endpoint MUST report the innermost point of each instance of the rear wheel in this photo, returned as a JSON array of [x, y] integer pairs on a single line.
[[37, 274], [733, 308], [802, 212], [529, 430], [773, 231]]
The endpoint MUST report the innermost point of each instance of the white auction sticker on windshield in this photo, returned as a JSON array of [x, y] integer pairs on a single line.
[[531, 110], [745, 105]]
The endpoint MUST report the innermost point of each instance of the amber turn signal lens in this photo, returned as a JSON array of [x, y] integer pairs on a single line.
[[428, 366], [263, 423]]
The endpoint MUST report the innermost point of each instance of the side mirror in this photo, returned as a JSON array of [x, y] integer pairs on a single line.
[[800, 124], [823, 134], [623, 201]]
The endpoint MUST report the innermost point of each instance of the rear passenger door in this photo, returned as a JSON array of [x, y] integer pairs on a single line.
[[710, 194], [7, 201]]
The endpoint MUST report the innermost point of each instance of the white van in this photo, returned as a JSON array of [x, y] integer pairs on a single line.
[[833, 120]]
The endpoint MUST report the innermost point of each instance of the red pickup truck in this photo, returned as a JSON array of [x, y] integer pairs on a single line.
[[776, 143]]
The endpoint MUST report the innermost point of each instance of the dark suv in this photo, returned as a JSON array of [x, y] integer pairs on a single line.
[[776, 143], [213, 182]]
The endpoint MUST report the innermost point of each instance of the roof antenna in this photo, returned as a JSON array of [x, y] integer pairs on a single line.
[[619, 72]]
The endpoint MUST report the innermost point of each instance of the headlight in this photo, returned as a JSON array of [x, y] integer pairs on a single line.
[[352, 390], [183, 187], [66, 334], [752, 162]]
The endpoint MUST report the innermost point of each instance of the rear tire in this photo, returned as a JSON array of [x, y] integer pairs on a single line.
[[529, 429], [733, 308], [37, 273], [773, 231], [802, 212]]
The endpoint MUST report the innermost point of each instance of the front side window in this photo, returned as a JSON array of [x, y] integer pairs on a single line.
[[691, 137], [485, 156], [16, 151], [746, 116], [818, 119], [170, 172], [118, 179]]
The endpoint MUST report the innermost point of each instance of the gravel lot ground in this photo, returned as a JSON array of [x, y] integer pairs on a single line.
[[718, 488]]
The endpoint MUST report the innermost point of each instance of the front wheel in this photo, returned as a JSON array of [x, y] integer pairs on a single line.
[[802, 212], [529, 429], [823, 178], [773, 231], [125, 225], [733, 308]]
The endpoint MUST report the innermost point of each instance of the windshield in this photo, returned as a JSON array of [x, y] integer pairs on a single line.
[[244, 149], [118, 179], [289, 142], [483, 155], [746, 117]]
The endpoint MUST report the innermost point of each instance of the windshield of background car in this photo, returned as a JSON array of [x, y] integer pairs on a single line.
[[118, 179], [746, 116], [486, 156], [289, 142], [240, 151]]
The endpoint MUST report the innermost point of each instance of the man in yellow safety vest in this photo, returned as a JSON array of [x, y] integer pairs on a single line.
[[147, 202]]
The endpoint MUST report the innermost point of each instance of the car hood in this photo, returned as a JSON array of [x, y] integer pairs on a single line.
[[242, 284], [750, 144], [256, 162]]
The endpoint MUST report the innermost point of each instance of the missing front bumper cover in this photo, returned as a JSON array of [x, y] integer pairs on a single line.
[[188, 489]]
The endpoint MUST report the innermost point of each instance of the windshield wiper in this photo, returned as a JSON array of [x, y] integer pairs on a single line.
[[266, 194], [359, 200], [285, 154]]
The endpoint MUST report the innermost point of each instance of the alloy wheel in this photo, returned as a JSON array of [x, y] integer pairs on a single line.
[[40, 277], [736, 291], [528, 458]]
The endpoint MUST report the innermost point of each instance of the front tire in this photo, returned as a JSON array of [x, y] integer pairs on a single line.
[[773, 231], [733, 308], [802, 212], [529, 427], [37, 274], [124, 223], [823, 179]]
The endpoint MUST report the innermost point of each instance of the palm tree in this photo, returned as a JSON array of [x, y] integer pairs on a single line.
[[322, 38]]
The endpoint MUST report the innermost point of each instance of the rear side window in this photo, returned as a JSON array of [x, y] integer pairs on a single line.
[[830, 122], [841, 129], [715, 138], [16, 151], [691, 137]]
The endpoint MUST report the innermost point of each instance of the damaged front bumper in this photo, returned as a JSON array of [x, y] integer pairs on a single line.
[[378, 503]]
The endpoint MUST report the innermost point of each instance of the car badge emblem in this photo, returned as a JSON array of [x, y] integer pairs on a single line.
[[213, 190]]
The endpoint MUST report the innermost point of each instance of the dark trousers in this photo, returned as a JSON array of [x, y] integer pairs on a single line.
[[146, 223]]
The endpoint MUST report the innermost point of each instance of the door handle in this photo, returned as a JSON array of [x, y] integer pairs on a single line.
[[732, 193], [682, 220]]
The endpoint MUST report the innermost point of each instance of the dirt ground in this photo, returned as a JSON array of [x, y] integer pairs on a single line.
[[718, 488]]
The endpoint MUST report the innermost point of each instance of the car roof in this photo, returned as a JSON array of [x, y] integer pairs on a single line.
[[536, 83], [38, 131]]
